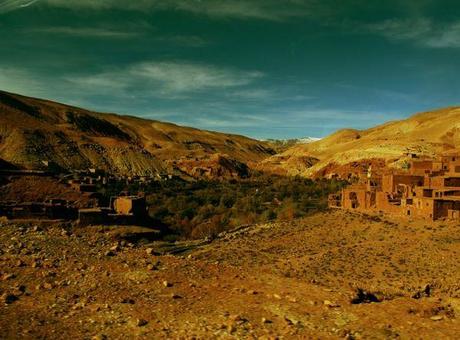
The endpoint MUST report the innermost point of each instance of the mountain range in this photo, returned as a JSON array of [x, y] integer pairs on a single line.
[[36, 131], [425, 134]]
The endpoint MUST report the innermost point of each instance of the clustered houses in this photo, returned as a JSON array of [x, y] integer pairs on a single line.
[[429, 189], [123, 210], [53, 209]]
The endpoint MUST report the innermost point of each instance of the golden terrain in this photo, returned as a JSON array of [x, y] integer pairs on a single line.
[[425, 134], [35, 130], [288, 280]]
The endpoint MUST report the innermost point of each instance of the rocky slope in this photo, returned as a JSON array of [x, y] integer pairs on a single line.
[[34, 130], [332, 275], [425, 134]]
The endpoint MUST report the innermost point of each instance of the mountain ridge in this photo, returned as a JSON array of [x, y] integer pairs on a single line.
[[33, 130], [424, 134]]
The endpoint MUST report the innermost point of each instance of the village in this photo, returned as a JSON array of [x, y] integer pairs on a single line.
[[429, 189], [122, 209]]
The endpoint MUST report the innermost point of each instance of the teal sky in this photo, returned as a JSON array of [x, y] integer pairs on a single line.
[[266, 69]]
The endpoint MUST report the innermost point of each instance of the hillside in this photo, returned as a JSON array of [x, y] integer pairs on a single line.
[[332, 275], [34, 130], [424, 134]]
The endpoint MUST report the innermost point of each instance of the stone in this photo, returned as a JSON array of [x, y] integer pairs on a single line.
[[20, 289], [149, 251], [8, 276], [264, 320], [141, 322], [167, 284], [48, 285], [9, 298], [128, 301], [152, 267], [231, 329], [330, 304], [437, 318]]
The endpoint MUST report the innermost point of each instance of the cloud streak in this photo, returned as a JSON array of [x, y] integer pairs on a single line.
[[242, 9], [85, 32], [422, 32], [11, 5], [168, 78]]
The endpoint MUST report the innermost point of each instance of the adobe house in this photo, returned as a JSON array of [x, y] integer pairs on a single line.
[[392, 181], [130, 205], [357, 197], [50, 210], [430, 189], [420, 167], [123, 210], [82, 186], [334, 200]]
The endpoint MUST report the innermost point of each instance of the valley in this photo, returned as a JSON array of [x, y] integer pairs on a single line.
[[119, 227], [229, 169]]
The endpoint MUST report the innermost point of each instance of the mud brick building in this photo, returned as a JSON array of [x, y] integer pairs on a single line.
[[123, 210], [53, 209], [429, 189], [129, 205]]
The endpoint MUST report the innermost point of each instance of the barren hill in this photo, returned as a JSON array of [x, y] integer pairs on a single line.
[[35, 130], [424, 134]]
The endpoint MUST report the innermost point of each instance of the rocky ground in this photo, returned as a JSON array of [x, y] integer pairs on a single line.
[[330, 275]]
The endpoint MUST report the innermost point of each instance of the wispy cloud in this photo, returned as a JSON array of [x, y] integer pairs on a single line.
[[11, 5], [449, 37], [422, 32], [266, 10], [168, 78], [126, 32], [251, 94], [183, 40], [99, 32], [243, 9]]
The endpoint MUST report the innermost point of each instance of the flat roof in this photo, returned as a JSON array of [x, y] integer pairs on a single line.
[[448, 198]]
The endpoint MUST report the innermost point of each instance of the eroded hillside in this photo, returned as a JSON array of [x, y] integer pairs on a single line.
[[34, 130], [424, 134]]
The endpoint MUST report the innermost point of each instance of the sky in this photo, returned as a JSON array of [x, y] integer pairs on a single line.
[[261, 68]]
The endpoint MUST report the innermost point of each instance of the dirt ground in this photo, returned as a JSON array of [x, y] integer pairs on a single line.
[[330, 275]]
